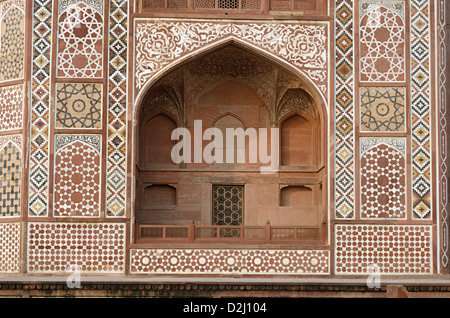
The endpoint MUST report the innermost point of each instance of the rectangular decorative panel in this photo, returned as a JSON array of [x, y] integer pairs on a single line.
[[382, 109], [421, 108], [229, 261], [11, 107], [78, 105], [86, 247], [80, 38], [393, 249], [382, 40], [116, 169], [77, 176], [40, 106], [344, 112], [383, 178], [10, 175], [10, 247], [12, 39]]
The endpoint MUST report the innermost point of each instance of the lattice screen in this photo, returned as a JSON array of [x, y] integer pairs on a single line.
[[228, 205]]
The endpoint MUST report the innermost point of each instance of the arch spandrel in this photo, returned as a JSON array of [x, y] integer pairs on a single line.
[[160, 46]]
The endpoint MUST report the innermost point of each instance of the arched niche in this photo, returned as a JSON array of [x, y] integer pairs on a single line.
[[163, 196], [298, 141], [155, 141], [221, 91]]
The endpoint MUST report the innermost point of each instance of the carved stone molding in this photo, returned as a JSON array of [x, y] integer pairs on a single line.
[[159, 43]]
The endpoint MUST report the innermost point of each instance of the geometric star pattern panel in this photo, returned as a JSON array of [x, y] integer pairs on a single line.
[[344, 112], [391, 249], [421, 109], [116, 169], [40, 108], [382, 109], [9, 247], [11, 107], [80, 39], [382, 41], [229, 261], [383, 185], [78, 105], [85, 247], [77, 176], [12, 39], [10, 175]]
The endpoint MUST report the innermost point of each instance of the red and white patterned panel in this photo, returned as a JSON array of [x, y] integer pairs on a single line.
[[9, 247], [383, 178], [394, 249], [77, 176], [86, 247], [206, 261], [11, 107]]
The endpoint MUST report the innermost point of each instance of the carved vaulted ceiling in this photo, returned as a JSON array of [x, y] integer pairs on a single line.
[[281, 91]]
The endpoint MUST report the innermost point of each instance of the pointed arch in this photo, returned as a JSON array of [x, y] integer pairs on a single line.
[[310, 86]]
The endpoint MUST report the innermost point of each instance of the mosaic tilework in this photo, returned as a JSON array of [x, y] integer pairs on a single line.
[[10, 175], [40, 105], [12, 39], [11, 107], [344, 136], [383, 173], [9, 247], [158, 43], [77, 175], [80, 40], [421, 109], [230, 261], [395, 249], [382, 41], [116, 169], [382, 109], [443, 137], [78, 105], [87, 247]]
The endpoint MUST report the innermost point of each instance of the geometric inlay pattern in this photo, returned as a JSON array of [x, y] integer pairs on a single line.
[[116, 165], [443, 136], [10, 175], [77, 175], [382, 109], [344, 112], [383, 173], [11, 107], [9, 247], [382, 41], [78, 105], [229, 261], [12, 39], [80, 40], [40, 106], [421, 109], [86, 247], [394, 249]]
